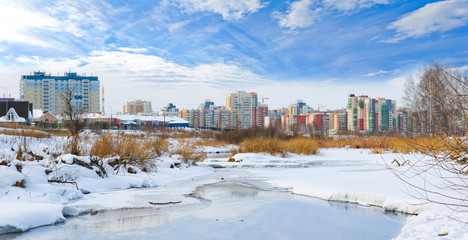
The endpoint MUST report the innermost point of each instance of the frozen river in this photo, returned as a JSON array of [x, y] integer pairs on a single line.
[[230, 209]]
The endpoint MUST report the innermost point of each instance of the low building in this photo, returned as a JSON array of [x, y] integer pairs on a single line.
[[23, 109], [12, 117], [48, 120]]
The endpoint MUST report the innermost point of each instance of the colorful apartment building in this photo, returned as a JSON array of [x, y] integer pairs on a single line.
[[139, 107], [371, 115], [294, 122]]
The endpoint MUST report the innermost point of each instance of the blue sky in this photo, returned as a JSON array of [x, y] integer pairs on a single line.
[[185, 51]]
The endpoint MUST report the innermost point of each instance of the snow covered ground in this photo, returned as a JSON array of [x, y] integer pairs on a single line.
[[357, 176], [28, 199]]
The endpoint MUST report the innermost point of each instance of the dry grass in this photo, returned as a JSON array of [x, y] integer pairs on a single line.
[[380, 144], [263, 145], [210, 142], [307, 146], [128, 146], [25, 133], [188, 150], [32, 131], [58, 132], [16, 126], [280, 146]]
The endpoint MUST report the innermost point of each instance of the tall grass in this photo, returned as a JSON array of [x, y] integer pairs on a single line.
[[188, 150], [128, 146], [25, 133], [280, 146]]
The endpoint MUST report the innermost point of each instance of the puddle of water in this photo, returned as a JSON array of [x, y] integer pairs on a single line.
[[230, 210]]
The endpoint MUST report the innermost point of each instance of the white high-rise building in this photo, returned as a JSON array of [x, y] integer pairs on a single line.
[[242, 106]]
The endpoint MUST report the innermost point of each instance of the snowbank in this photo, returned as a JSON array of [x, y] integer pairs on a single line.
[[20, 216]]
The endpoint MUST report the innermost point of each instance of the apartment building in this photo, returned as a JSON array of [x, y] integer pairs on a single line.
[[139, 107], [371, 115], [242, 106], [338, 121], [299, 108], [169, 110], [45, 91], [261, 112]]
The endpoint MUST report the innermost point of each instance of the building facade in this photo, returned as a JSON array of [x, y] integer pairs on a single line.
[[138, 107], [371, 115], [242, 106], [299, 108], [169, 110], [45, 91]]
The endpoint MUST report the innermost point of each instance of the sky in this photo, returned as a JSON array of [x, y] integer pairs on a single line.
[[186, 51]]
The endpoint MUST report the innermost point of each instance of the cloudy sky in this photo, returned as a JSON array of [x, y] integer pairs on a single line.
[[186, 51]]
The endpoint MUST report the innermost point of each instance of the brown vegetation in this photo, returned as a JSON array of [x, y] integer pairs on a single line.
[[280, 146], [25, 133], [188, 150], [128, 146]]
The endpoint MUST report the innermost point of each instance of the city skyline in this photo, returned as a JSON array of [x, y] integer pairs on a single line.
[[187, 51]]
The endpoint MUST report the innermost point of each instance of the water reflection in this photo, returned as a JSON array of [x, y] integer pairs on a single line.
[[230, 210]]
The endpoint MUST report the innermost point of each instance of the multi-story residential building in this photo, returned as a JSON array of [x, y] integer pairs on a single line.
[[193, 116], [400, 123], [261, 112], [338, 121], [169, 110], [242, 106], [222, 118], [369, 115], [299, 108], [294, 123], [320, 123], [139, 107], [45, 91]]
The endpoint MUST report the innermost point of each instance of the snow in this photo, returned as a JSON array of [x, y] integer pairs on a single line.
[[356, 176], [18, 217], [347, 175], [39, 202]]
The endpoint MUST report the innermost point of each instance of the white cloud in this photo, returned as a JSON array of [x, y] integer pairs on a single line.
[[172, 27], [304, 13], [372, 74], [139, 68], [463, 69], [128, 75], [77, 16], [348, 5], [133, 50], [434, 17], [375, 73], [299, 15], [397, 82], [50, 25], [16, 21], [230, 10]]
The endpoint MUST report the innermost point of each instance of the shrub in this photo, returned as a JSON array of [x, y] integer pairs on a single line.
[[188, 151]]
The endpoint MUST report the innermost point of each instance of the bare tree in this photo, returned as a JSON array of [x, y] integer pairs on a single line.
[[437, 105], [437, 102], [74, 119]]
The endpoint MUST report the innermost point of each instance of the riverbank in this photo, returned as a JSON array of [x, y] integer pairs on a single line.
[[358, 176], [348, 175]]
